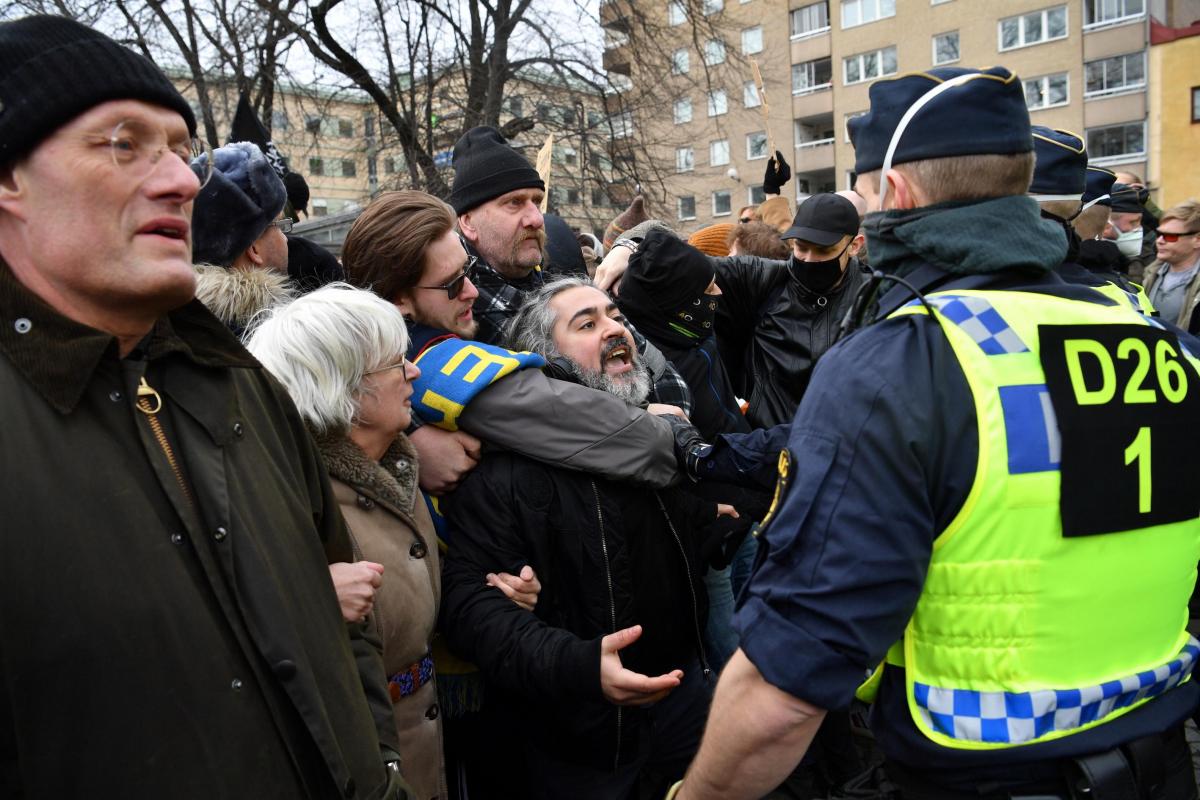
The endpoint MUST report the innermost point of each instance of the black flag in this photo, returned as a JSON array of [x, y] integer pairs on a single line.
[[248, 128]]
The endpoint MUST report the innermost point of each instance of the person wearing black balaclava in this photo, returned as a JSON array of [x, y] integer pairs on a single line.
[[670, 293]]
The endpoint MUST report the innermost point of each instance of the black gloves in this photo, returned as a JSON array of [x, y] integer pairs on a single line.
[[778, 173], [689, 444]]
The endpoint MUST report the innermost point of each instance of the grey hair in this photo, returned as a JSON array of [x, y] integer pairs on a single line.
[[321, 345], [532, 327]]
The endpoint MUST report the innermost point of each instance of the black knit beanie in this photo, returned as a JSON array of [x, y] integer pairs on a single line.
[[53, 69], [485, 167]]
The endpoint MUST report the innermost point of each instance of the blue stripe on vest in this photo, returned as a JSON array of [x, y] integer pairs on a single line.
[[979, 320], [1019, 717], [1031, 429]]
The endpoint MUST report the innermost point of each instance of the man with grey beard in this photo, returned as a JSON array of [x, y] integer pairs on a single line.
[[609, 670]]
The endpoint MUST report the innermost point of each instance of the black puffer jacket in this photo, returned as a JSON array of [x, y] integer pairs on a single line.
[[608, 556], [772, 331]]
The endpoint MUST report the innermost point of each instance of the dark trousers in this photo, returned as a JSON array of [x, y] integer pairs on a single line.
[[676, 725], [1174, 778]]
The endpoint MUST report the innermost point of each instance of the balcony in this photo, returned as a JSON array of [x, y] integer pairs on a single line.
[[815, 181], [614, 16], [618, 59]]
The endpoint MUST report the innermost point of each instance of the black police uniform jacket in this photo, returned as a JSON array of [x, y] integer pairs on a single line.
[[771, 331], [154, 644], [608, 557]]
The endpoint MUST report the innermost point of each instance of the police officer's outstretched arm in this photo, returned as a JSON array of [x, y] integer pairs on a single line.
[[764, 733]]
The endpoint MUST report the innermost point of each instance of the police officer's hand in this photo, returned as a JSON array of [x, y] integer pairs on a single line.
[[624, 687], [778, 173]]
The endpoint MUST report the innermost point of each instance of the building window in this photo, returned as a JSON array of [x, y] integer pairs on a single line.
[[345, 128], [599, 198], [722, 203], [752, 40], [1117, 74], [622, 124], [1117, 142], [712, 6], [860, 12], [514, 104], [756, 145], [714, 52], [389, 166], [718, 152], [809, 20], [679, 62], [1196, 104], [718, 103], [316, 166], [348, 168], [312, 123], [1097, 13], [846, 122], [1047, 91], [869, 66], [750, 98], [279, 121], [320, 208], [687, 207], [812, 75], [808, 134], [1033, 28], [755, 195], [572, 197], [676, 13], [683, 110], [685, 159], [945, 48]]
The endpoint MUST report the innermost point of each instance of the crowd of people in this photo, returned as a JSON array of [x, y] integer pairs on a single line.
[[494, 508]]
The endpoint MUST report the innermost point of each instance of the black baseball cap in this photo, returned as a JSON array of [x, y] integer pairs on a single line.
[[824, 219]]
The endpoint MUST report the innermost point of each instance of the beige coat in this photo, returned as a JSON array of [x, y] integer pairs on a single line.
[[390, 524]]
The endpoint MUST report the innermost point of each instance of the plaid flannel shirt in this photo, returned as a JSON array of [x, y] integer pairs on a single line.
[[499, 298]]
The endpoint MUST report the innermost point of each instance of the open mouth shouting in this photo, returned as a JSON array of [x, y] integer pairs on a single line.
[[617, 357]]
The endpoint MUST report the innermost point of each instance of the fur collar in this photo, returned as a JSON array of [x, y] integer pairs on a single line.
[[392, 480], [235, 295]]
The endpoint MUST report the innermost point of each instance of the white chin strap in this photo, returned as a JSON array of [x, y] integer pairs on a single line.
[[1091, 203], [922, 101], [1047, 198]]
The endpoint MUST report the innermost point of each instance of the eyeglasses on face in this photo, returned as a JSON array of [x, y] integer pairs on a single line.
[[454, 287], [285, 224], [402, 365], [137, 148], [1172, 238]]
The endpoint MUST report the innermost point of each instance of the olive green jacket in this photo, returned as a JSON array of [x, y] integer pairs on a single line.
[[163, 635]]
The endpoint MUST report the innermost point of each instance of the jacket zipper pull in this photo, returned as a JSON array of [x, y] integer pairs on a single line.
[[144, 392], [150, 402]]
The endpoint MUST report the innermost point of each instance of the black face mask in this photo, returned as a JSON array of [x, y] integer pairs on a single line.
[[696, 318], [818, 276]]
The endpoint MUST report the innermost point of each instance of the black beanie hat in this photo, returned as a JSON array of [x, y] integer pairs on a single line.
[[52, 69], [485, 167], [671, 271]]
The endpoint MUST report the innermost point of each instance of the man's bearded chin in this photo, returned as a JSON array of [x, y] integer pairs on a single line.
[[633, 387]]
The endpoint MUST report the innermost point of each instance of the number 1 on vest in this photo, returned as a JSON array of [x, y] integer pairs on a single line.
[[1139, 450]]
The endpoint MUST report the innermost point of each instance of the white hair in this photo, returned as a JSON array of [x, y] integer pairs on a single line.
[[321, 345]]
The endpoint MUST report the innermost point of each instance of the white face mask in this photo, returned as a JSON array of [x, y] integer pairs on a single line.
[[1130, 243]]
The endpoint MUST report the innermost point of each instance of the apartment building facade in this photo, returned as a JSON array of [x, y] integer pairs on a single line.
[[1083, 64]]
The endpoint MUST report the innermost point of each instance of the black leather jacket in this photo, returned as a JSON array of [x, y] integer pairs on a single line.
[[772, 330]]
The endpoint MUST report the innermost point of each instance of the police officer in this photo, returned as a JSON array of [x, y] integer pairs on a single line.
[[987, 494], [1059, 183]]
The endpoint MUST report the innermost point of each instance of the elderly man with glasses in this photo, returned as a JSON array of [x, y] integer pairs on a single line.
[[1173, 281], [168, 627]]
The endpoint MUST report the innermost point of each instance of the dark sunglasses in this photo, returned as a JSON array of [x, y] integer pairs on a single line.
[[455, 285], [1172, 238]]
